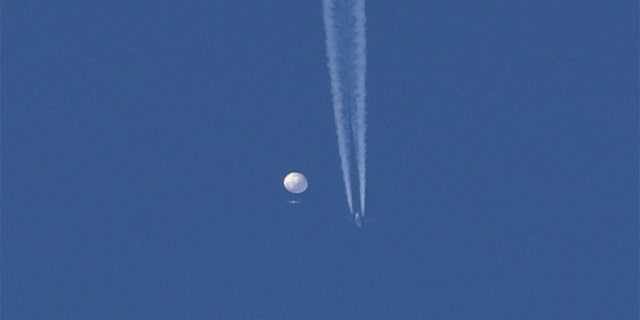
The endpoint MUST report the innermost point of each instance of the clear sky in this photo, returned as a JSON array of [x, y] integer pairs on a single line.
[[144, 145]]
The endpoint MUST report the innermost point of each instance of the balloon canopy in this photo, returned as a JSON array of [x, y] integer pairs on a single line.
[[295, 182]]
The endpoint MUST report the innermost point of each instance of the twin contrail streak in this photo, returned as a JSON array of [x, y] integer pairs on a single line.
[[344, 22]]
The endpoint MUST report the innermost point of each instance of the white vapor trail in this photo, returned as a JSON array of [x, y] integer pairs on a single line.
[[344, 22]]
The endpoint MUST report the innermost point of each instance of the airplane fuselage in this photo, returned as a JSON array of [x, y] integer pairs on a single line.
[[357, 218]]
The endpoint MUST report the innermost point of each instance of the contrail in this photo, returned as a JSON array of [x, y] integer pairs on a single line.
[[344, 22], [336, 92], [360, 97]]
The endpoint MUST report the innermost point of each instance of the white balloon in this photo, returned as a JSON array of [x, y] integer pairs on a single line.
[[295, 182]]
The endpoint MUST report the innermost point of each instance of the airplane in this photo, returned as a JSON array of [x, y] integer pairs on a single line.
[[357, 218]]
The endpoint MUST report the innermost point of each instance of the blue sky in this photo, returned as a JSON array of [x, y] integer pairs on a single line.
[[144, 143]]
